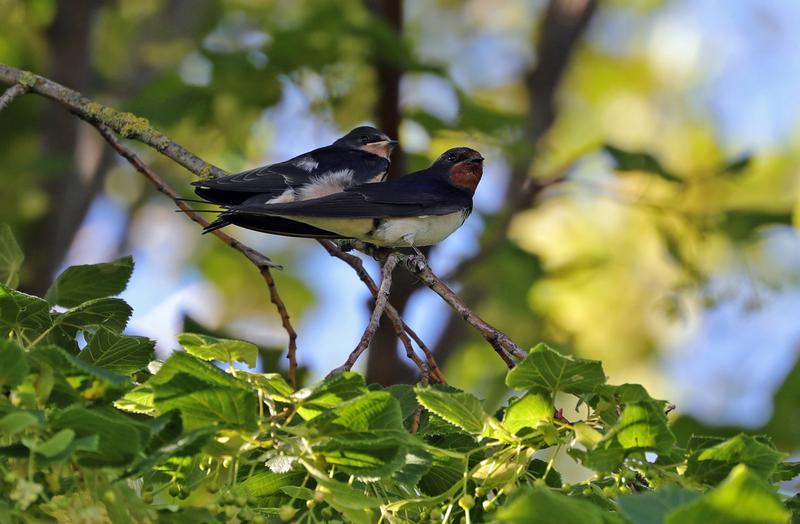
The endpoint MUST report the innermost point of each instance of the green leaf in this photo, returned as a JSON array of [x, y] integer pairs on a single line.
[[185, 444], [741, 225], [744, 498], [528, 410], [72, 366], [445, 472], [711, 464], [404, 393], [499, 469], [13, 364], [20, 312], [11, 257], [78, 284], [344, 498], [204, 403], [112, 313], [329, 393], [786, 471], [369, 457], [179, 362], [367, 437], [736, 166], [417, 463], [370, 412], [273, 384], [118, 353], [542, 506], [458, 408], [55, 444], [546, 368], [204, 394], [120, 438], [17, 421], [635, 161], [653, 506], [211, 348], [641, 427], [298, 492], [266, 483]]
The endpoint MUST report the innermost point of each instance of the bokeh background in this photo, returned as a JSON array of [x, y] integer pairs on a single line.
[[640, 203]]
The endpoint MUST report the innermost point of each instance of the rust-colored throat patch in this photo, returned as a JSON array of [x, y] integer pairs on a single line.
[[466, 175]]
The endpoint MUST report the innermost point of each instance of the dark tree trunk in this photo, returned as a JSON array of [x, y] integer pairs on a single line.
[[384, 364], [68, 193]]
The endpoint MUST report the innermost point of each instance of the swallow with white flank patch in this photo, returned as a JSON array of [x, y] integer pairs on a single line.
[[419, 209], [359, 157]]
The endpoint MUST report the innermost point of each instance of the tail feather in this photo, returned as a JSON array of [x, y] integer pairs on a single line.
[[219, 223]]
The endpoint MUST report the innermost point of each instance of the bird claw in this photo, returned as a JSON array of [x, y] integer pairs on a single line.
[[416, 263]]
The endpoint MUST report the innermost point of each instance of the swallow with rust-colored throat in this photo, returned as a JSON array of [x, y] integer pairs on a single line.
[[418, 209]]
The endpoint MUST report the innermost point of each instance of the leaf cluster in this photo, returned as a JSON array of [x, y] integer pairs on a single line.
[[92, 427]]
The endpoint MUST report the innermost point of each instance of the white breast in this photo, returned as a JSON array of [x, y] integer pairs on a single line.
[[417, 231]]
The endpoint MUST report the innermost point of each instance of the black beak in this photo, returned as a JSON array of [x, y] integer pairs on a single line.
[[478, 160], [392, 143]]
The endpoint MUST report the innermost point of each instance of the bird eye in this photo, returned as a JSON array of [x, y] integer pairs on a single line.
[[364, 139], [451, 158]]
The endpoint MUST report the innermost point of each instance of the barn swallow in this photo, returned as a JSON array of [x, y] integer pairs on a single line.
[[359, 157], [418, 209]]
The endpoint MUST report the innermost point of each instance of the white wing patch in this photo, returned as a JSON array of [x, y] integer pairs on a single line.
[[327, 184], [283, 198], [307, 163]]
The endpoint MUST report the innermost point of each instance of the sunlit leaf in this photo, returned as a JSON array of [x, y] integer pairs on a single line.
[[711, 464], [542, 506], [528, 410], [223, 350], [546, 368], [458, 408], [744, 498], [118, 353], [79, 284]]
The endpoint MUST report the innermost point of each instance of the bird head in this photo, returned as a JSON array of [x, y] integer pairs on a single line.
[[368, 139], [464, 167]]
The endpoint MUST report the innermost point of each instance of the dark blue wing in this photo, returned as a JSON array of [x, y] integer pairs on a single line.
[[400, 198], [271, 181]]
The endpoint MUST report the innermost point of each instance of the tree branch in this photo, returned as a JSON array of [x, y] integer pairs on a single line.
[[502, 344], [261, 262], [98, 115], [377, 312], [11, 93], [401, 329]]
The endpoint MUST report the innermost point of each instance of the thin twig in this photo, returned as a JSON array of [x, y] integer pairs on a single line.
[[402, 330], [502, 344], [377, 312], [260, 261], [416, 418], [11, 93]]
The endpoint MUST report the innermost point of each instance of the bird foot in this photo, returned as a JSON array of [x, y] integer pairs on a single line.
[[416, 263]]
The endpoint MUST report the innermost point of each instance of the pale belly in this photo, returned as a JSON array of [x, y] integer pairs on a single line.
[[417, 231], [392, 232]]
